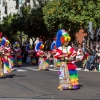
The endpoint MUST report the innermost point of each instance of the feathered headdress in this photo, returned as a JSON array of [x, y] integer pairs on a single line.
[[29, 47], [4, 41], [53, 45], [61, 37], [39, 46], [16, 44]]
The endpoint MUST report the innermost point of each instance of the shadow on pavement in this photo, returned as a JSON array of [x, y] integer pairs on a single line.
[[7, 76], [11, 76]]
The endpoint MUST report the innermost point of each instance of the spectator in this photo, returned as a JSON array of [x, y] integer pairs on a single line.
[[98, 50], [90, 62], [79, 57]]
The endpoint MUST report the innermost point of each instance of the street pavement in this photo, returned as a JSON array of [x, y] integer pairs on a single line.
[[27, 83]]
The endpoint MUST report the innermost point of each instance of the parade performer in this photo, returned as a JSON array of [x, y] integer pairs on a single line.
[[53, 51], [30, 54], [7, 59], [1, 56], [68, 76], [34, 58], [43, 61], [17, 54]]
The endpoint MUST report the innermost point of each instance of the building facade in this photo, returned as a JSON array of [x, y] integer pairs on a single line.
[[12, 6]]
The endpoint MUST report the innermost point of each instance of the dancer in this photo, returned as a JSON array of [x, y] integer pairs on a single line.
[[17, 54], [1, 56], [68, 76], [6, 58], [43, 62], [30, 54], [54, 50], [34, 58]]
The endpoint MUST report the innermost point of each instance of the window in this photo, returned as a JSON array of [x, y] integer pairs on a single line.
[[5, 9]]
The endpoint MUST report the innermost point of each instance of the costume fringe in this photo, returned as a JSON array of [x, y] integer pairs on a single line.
[[19, 60]]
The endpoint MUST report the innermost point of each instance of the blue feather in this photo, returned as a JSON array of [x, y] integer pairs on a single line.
[[53, 44], [37, 46], [58, 36], [28, 46]]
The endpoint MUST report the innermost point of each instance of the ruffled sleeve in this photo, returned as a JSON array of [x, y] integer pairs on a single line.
[[72, 52], [58, 52], [39, 53]]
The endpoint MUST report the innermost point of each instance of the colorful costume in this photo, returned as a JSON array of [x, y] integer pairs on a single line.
[[43, 61], [68, 77], [6, 59], [17, 54], [1, 57], [30, 59], [53, 49]]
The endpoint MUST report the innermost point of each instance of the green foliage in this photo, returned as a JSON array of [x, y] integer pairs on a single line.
[[73, 14], [5, 26], [25, 10], [37, 22]]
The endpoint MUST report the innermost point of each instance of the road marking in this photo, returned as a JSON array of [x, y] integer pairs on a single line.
[[53, 69], [36, 69], [30, 68], [20, 70]]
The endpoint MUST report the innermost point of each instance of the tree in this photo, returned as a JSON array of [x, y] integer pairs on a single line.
[[73, 14], [34, 22], [7, 29]]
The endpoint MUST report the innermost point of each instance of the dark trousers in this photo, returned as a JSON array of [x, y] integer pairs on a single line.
[[78, 64]]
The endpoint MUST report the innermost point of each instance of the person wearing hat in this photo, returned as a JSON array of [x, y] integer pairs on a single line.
[[68, 76], [7, 59], [30, 54], [42, 61], [1, 56], [17, 54], [53, 52]]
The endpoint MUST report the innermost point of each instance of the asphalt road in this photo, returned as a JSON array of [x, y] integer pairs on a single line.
[[27, 83]]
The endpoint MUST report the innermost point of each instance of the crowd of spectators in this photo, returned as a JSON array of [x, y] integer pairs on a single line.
[[88, 58]]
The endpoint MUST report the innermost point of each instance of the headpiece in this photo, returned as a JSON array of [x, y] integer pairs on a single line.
[[29, 47], [61, 37], [4, 41], [53, 45], [16, 44], [39, 46]]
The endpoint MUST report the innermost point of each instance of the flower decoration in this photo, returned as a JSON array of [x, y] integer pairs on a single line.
[[30, 47], [55, 47], [62, 39], [16, 44], [41, 47], [7, 42]]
